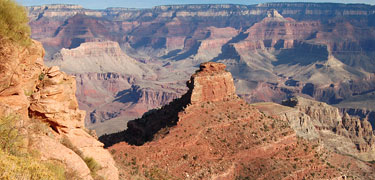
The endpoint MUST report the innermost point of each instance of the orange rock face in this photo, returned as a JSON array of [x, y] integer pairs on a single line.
[[211, 83], [40, 95]]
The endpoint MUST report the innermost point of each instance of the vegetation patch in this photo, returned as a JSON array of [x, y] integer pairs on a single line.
[[13, 23], [16, 162], [18, 167], [11, 140]]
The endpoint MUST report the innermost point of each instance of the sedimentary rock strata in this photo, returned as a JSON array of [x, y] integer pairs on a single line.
[[41, 95]]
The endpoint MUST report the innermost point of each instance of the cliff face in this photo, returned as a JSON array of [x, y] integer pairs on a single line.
[[210, 133], [211, 83], [317, 120], [273, 50], [113, 86], [42, 95]]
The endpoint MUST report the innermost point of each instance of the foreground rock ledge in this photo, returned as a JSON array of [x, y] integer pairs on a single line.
[[41, 96]]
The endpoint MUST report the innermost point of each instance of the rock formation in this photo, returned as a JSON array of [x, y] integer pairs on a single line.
[[210, 134], [113, 86], [42, 95], [273, 50], [328, 117], [211, 83], [317, 120]]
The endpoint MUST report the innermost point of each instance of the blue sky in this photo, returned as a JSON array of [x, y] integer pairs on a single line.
[[102, 4]]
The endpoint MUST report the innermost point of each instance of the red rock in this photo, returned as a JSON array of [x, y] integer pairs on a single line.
[[33, 92], [211, 83], [215, 136]]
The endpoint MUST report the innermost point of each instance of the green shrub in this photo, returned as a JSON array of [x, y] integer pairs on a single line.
[[94, 167], [56, 168], [25, 167], [11, 140], [67, 143], [157, 174], [41, 76], [13, 23], [92, 164]]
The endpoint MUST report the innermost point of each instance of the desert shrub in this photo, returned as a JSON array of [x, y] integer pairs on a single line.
[[57, 169], [26, 167], [94, 167], [157, 174], [28, 92], [17, 161], [13, 23], [92, 164], [11, 139], [67, 143], [41, 76]]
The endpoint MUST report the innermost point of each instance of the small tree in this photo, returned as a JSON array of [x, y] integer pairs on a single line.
[[13, 23], [10, 138]]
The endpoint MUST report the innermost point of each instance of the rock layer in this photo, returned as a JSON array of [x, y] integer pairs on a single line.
[[38, 94], [317, 120], [211, 83], [273, 50]]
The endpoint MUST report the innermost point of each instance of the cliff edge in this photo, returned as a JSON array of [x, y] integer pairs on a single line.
[[43, 100]]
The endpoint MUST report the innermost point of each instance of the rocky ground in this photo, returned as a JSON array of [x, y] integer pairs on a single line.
[[210, 133]]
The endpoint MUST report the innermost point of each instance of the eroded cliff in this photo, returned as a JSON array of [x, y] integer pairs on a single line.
[[45, 97], [317, 120]]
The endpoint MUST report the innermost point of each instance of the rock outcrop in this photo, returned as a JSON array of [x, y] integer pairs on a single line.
[[317, 120], [98, 57], [360, 131], [113, 86], [328, 118], [211, 83], [42, 95], [207, 135]]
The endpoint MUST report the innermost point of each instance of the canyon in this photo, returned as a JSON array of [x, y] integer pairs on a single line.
[[129, 61], [276, 91]]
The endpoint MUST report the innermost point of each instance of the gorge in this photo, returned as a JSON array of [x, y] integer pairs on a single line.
[[273, 50]]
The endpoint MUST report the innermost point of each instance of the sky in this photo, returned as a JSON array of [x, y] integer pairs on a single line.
[[102, 4]]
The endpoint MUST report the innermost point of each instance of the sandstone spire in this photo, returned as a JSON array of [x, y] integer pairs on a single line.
[[211, 83]]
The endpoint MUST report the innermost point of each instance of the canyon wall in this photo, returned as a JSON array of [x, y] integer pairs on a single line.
[[339, 132], [273, 50]]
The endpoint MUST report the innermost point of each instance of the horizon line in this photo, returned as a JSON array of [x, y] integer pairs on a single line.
[[203, 4]]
